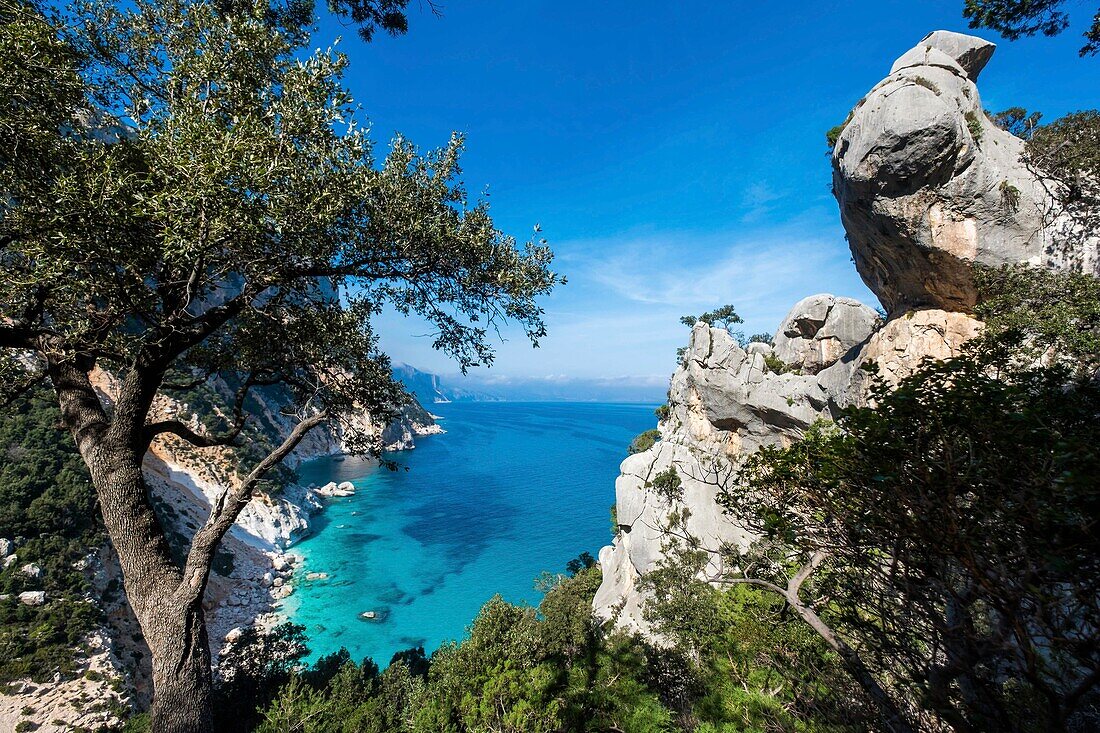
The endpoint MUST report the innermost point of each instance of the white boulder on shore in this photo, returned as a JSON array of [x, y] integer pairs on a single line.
[[334, 490]]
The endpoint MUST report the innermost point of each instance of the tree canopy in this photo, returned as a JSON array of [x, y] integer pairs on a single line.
[[209, 213], [1018, 18], [190, 201]]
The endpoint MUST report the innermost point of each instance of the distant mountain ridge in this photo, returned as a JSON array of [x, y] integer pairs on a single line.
[[428, 389], [432, 389]]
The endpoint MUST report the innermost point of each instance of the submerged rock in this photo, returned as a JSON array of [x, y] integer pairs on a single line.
[[378, 615], [336, 490]]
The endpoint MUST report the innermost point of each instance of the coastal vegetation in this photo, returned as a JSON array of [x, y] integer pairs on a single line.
[[644, 441], [48, 513], [941, 541], [738, 662], [938, 538]]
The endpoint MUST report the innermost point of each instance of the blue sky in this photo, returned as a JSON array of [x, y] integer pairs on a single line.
[[673, 152]]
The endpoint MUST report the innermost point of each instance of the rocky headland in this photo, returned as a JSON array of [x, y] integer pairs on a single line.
[[927, 185]]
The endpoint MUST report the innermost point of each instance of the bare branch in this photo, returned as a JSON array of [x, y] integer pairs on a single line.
[[229, 505], [181, 430], [750, 581], [805, 572]]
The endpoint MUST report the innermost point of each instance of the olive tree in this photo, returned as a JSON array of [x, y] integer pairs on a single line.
[[188, 198]]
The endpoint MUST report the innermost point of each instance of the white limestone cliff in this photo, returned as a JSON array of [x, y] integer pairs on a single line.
[[927, 185], [724, 403]]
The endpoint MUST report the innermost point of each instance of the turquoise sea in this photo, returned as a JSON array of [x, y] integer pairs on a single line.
[[510, 490]]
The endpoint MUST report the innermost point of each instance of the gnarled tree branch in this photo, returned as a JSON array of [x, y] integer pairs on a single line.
[[229, 505]]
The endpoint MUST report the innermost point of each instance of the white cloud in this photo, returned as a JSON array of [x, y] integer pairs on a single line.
[[619, 314], [690, 271], [759, 200]]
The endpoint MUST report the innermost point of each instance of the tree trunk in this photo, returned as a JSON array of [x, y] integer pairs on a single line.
[[168, 610], [182, 685], [170, 613], [166, 595]]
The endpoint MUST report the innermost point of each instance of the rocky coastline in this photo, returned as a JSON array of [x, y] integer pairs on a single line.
[[255, 575]]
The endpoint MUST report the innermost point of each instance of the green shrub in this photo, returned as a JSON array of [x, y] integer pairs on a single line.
[[750, 665], [667, 484], [775, 365], [47, 499], [519, 669], [1010, 195], [223, 563], [137, 724], [974, 125], [644, 441], [927, 84], [762, 338], [832, 135], [1017, 121]]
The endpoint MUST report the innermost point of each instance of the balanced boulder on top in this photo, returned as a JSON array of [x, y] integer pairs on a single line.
[[928, 184]]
